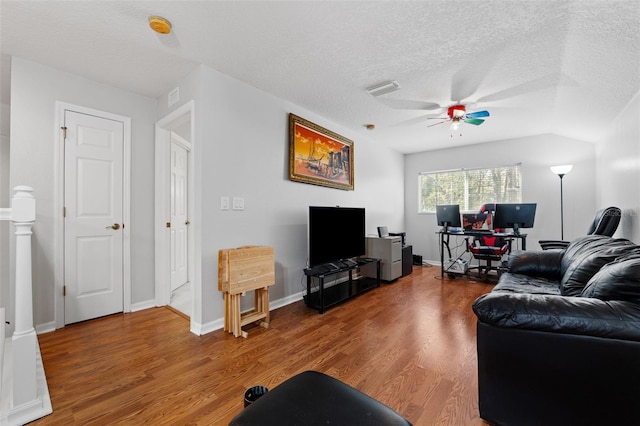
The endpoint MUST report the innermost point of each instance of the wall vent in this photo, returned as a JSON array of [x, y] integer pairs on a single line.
[[174, 96]]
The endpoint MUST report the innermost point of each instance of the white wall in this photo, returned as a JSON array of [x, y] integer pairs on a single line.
[[241, 134], [34, 91], [539, 185], [5, 201], [242, 146], [618, 170]]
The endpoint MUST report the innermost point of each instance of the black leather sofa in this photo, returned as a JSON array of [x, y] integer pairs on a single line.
[[558, 338]]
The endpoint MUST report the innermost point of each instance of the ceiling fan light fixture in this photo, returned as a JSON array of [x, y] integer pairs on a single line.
[[383, 88], [160, 24]]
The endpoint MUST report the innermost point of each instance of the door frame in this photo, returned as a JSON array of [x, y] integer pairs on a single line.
[[58, 206], [163, 213]]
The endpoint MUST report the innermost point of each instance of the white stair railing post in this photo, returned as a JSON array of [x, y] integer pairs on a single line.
[[24, 340], [26, 396]]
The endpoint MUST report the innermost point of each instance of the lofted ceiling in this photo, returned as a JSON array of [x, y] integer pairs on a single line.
[[562, 67]]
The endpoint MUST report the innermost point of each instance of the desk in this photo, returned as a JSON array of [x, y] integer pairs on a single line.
[[443, 243]]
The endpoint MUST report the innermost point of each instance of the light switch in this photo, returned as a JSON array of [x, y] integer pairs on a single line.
[[224, 203], [238, 203]]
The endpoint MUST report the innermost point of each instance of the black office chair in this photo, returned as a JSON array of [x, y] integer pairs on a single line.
[[488, 248], [605, 222]]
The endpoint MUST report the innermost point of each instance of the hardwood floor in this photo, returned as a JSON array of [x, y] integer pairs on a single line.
[[410, 344]]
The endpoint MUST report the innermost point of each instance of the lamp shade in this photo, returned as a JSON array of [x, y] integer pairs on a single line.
[[561, 170]]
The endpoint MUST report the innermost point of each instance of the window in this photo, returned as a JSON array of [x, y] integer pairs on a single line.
[[469, 188]]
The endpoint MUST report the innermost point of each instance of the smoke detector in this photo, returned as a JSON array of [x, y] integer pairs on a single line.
[[160, 24]]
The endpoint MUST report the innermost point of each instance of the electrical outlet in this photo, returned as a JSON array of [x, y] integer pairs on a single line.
[[238, 203]]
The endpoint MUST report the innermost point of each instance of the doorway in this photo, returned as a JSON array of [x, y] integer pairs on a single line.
[[181, 294], [176, 282]]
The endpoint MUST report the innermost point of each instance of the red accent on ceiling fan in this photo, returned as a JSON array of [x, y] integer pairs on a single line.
[[452, 109]]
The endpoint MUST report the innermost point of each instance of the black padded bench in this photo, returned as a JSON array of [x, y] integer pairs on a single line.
[[313, 398]]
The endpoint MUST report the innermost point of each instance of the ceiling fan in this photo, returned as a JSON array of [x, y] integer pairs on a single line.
[[457, 114]]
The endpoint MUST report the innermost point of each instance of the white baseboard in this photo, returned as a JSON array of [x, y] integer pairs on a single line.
[[196, 328], [200, 329], [141, 306], [51, 326], [285, 301], [47, 327]]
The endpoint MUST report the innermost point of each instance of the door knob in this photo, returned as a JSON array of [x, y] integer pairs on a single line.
[[114, 226], [186, 222]]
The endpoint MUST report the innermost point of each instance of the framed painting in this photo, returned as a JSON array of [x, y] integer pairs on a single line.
[[319, 156]]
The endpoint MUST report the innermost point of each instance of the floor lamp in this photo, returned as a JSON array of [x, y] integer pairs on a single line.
[[561, 171]]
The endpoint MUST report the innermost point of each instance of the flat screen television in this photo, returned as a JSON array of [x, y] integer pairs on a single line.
[[515, 216], [448, 215], [335, 234]]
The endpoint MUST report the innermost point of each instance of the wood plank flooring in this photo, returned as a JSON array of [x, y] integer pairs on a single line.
[[410, 344]]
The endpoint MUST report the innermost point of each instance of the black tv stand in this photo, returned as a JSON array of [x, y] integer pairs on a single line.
[[324, 298]]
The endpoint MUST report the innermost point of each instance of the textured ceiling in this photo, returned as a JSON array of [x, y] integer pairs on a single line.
[[562, 67]]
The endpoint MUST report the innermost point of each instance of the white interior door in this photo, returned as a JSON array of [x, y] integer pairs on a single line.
[[93, 229], [179, 214]]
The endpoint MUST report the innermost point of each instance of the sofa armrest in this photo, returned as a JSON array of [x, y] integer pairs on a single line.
[[560, 314], [546, 263], [553, 244]]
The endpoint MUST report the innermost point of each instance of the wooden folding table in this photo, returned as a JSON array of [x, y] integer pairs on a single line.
[[249, 268]]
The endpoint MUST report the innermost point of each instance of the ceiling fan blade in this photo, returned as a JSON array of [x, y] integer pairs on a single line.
[[408, 104], [468, 79], [542, 83], [443, 121], [477, 114], [474, 121], [415, 120]]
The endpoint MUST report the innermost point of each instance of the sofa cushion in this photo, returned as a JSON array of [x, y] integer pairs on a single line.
[[520, 283], [584, 258], [618, 280], [560, 314]]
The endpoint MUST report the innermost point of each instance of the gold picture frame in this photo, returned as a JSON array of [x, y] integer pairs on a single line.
[[319, 156]]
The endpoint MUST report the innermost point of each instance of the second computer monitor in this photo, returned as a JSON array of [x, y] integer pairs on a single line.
[[515, 216]]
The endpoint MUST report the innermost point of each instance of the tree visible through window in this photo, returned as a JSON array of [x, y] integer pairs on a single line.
[[469, 188]]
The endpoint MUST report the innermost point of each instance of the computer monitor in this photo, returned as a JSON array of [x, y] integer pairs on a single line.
[[448, 215], [515, 216], [477, 221]]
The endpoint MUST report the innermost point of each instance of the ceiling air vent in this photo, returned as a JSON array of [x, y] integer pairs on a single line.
[[382, 88]]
